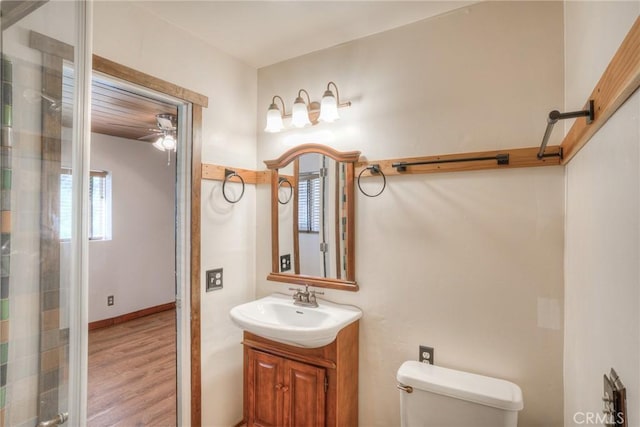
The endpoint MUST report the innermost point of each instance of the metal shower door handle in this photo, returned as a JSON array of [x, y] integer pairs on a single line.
[[61, 418]]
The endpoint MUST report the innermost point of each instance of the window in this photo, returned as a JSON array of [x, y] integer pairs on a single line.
[[309, 203], [99, 205]]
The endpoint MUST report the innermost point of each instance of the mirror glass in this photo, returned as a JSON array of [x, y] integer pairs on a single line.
[[311, 226], [312, 217]]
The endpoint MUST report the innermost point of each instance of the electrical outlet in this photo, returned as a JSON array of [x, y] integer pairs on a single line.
[[285, 263], [214, 279], [426, 355], [110, 301]]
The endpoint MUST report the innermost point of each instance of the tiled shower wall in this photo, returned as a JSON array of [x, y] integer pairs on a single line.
[[5, 226], [23, 361]]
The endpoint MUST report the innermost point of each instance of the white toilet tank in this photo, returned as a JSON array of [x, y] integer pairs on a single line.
[[433, 396]]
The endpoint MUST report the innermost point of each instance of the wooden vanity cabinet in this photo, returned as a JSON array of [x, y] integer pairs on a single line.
[[288, 386]]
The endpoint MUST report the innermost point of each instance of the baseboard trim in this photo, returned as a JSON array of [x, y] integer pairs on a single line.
[[131, 316]]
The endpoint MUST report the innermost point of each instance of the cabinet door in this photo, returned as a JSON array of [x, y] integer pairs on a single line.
[[265, 395], [304, 395]]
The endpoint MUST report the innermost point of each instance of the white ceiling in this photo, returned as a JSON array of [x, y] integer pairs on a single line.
[[261, 33]]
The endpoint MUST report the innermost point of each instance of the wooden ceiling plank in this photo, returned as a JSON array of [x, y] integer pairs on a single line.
[[148, 116]]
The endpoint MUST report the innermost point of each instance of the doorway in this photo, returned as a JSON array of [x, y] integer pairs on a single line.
[[132, 352]]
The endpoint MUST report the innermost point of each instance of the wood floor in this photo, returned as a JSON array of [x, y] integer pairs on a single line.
[[132, 373]]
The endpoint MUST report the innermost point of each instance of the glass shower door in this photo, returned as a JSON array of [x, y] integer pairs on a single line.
[[43, 326]]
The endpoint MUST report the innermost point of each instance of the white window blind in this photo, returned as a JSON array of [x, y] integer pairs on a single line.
[[99, 206], [65, 206], [309, 203]]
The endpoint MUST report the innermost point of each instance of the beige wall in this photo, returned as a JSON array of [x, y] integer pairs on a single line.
[[137, 265], [602, 324], [129, 34], [469, 263]]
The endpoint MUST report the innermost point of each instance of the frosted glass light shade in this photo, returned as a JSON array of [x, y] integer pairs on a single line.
[[169, 143], [300, 114], [329, 108], [158, 144], [165, 143], [274, 120]]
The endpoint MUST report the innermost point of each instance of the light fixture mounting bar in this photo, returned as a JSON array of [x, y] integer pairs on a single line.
[[315, 108]]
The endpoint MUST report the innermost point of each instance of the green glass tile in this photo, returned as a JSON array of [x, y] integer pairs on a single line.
[[7, 114], [7, 93], [7, 70], [4, 353], [4, 309], [6, 179], [3, 395]]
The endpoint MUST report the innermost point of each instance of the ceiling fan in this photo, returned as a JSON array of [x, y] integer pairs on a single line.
[[164, 133]]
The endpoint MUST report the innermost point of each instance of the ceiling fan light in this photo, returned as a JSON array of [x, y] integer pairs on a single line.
[[169, 143], [274, 119], [329, 107], [300, 114], [158, 145]]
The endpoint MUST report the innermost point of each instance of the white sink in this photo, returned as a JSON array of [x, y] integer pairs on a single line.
[[276, 317]]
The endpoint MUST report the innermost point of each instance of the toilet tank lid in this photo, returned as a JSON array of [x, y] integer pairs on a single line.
[[475, 388]]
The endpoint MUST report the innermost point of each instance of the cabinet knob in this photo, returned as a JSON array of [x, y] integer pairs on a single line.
[[284, 388]]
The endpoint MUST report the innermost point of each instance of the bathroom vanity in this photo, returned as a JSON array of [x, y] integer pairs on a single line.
[[292, 386], [301, 355]]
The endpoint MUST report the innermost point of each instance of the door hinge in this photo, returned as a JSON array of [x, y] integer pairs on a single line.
[[324, 247], [326, 384], [323, 172]]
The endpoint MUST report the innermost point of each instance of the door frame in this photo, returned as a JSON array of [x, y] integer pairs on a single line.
[[197, 102]]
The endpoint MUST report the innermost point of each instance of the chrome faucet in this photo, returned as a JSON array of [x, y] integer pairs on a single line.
[[305, 298]]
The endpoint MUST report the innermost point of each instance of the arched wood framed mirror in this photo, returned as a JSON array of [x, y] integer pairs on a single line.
[[313, 217]]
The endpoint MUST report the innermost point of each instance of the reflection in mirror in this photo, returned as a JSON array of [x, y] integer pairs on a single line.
[[313, 233]]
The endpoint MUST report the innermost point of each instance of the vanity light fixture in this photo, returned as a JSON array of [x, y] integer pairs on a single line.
[[329, 105], [306, 113], [274, 116], [300, 111]]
